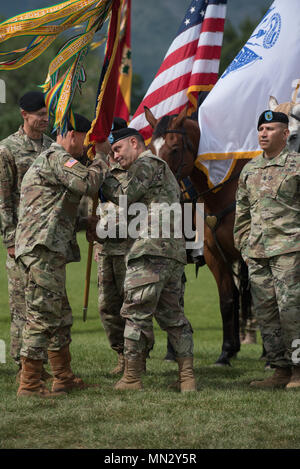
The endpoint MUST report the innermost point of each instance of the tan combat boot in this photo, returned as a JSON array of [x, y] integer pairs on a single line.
[[279, 379], [30, 380], [45, 376], [295, 379], [64, 378], [18, 375], [131, 379], [186, 374], [120, 365]]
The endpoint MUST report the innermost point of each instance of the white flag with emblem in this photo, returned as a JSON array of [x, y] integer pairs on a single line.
[[268, 65]]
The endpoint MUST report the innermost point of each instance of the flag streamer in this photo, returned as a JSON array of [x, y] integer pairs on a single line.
[[46, 25]]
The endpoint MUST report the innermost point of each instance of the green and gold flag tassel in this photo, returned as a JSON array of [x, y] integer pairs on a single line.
[[66, 72]]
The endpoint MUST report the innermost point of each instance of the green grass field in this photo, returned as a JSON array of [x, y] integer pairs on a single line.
[[225, 413]]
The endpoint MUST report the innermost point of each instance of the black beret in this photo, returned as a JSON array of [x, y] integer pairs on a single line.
[[32, 101], [124, 133], [81, 124], [271, 116], [119, 123]]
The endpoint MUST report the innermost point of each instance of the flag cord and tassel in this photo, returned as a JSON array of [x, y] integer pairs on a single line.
[[45, 25]]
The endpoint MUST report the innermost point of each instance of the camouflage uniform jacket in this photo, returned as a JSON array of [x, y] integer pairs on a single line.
[[50, 196], [17, 153], [267, 219], [117, 246], [150, 182]]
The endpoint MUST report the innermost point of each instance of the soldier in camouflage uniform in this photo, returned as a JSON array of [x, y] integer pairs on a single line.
[[111, 276], [111, 272], [110, 257], [17, 153], [154, 264], [267, 233], [45, 243]]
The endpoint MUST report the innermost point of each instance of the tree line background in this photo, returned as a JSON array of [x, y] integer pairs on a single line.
[[33, 74]]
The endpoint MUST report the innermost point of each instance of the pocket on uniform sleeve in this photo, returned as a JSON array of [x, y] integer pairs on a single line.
[[287, 191], [75, 167]]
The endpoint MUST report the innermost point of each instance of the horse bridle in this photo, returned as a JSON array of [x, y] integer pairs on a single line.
[[295, 117], [218, 216], [186, 145], [298, 119]]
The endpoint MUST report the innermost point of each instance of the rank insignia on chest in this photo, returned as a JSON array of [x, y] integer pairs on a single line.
[[71, 162]]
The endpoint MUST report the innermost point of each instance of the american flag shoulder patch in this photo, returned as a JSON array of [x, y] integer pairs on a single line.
[[71, 162]]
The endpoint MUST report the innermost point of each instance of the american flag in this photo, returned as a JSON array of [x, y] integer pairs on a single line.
[[191, 64]]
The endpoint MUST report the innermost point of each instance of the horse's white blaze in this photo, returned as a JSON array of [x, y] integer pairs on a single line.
[[158, 144]]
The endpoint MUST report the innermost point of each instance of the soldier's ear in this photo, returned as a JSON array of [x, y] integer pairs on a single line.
[[286, 132], [72, 136], [134, 142]]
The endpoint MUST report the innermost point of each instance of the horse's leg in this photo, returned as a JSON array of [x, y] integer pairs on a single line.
[[247, 317], [229, 306]]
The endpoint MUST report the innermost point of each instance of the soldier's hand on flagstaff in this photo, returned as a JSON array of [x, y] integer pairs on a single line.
[[102, 149]]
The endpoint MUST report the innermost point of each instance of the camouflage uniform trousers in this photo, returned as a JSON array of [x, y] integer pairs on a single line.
[[275, 288], [248, 325], [153, 287], [48, 313], [17, 306], [111, 276]]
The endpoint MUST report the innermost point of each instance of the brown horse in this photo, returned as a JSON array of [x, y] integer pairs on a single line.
[[292, 109], [176, 139]]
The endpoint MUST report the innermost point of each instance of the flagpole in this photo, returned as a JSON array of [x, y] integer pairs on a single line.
[[89, 267], [102, 123]]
